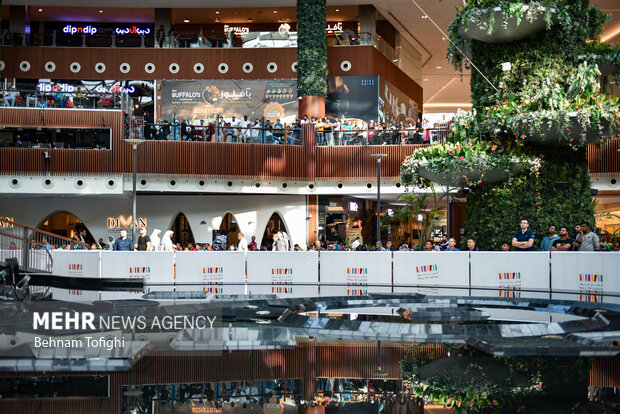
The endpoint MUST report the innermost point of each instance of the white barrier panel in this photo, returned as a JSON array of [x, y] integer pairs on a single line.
[[352, 290], [590, 273], [588, 297], [221, 273], [280, 269], [431, 291], [75, 295], [285, 291], [356, 268], [510, 293], [431, 269], [77, 263], [510, 271], [153, 267]]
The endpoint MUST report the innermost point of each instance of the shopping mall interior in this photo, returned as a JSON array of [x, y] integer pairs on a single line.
[[310, 206]]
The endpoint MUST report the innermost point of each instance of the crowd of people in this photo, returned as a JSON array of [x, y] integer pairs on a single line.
[[583, 239], [329, 131]]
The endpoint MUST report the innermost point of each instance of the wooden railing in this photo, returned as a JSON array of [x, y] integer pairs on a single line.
[[216, 160]]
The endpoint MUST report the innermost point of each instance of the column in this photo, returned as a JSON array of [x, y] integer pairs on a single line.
[[368, 24]]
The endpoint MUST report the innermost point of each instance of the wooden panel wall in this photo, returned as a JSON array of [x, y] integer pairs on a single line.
[[605, 372], [219, 160], [355, 162], [307, 362], [137, 58], [604, 159], [118, 159]]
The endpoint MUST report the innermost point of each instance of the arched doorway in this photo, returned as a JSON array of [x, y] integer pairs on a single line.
[[229, 228], [274, 225], [66, 224], [182, 231]]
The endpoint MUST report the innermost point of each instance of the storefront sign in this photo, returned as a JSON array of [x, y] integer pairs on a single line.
[[238, 30], [333, 28], [118, 30], [4, 224], [122, 222], [203, 99], [59, 87]]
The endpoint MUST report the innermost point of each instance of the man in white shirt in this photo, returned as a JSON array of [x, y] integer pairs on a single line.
[[243, 243], [234, 123], [244, 130]]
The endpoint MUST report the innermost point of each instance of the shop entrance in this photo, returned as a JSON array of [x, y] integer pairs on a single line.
[[227, 232], [182, 231], [274, 225], [67, 225]]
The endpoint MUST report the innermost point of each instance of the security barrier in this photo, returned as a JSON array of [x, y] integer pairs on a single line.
[[586, 276]]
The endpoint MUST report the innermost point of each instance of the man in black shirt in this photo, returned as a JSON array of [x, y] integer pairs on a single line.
[[564, 243], [334, 238], [144, 241]]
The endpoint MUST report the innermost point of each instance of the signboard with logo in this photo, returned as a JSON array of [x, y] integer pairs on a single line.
[[283, 273], [431, 269], [588, 274], [510, 273], [206, 99], [352, 97], [99, 34], [221, 273], [357, 270], [395, 105], [153, 267], [76, 263]]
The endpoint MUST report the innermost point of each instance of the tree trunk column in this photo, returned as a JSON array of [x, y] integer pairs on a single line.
[[311, 57]]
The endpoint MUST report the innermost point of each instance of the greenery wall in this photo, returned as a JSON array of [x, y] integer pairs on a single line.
[[493, 213], [552, 87], [311, 48]]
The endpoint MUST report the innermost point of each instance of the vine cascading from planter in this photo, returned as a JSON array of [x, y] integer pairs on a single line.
[[311, 57], [550, 57]]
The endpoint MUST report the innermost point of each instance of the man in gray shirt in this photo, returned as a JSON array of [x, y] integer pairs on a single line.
[[587, 239]]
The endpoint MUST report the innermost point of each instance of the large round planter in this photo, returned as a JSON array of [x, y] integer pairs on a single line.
[[552, 136], [455, 178], [504, 30]]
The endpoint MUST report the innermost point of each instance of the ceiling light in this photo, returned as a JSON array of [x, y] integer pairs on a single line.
[[217, 12], [185, 20], [217, 20], [337, 10], [275, 11], [100, 11], [425, 79], [424, 16], [438, 67], [249, 19], [443, 38], [40, 10]]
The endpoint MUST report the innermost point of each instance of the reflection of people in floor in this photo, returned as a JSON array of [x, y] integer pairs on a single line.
[[273, 405], [337, 101]]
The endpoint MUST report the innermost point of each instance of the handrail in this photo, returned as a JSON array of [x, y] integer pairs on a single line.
[[25, 226]]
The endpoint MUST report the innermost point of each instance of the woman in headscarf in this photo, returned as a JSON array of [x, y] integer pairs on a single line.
[[155, 240], [166, 242]]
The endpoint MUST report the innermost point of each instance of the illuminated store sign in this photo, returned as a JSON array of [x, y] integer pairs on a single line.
[[238, 30], [118, 30], [334, 28], [65, 87], [122, 222]]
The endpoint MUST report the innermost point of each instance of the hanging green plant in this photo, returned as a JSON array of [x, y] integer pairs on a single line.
[[501, 21], [575, 114], [464, 164]]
